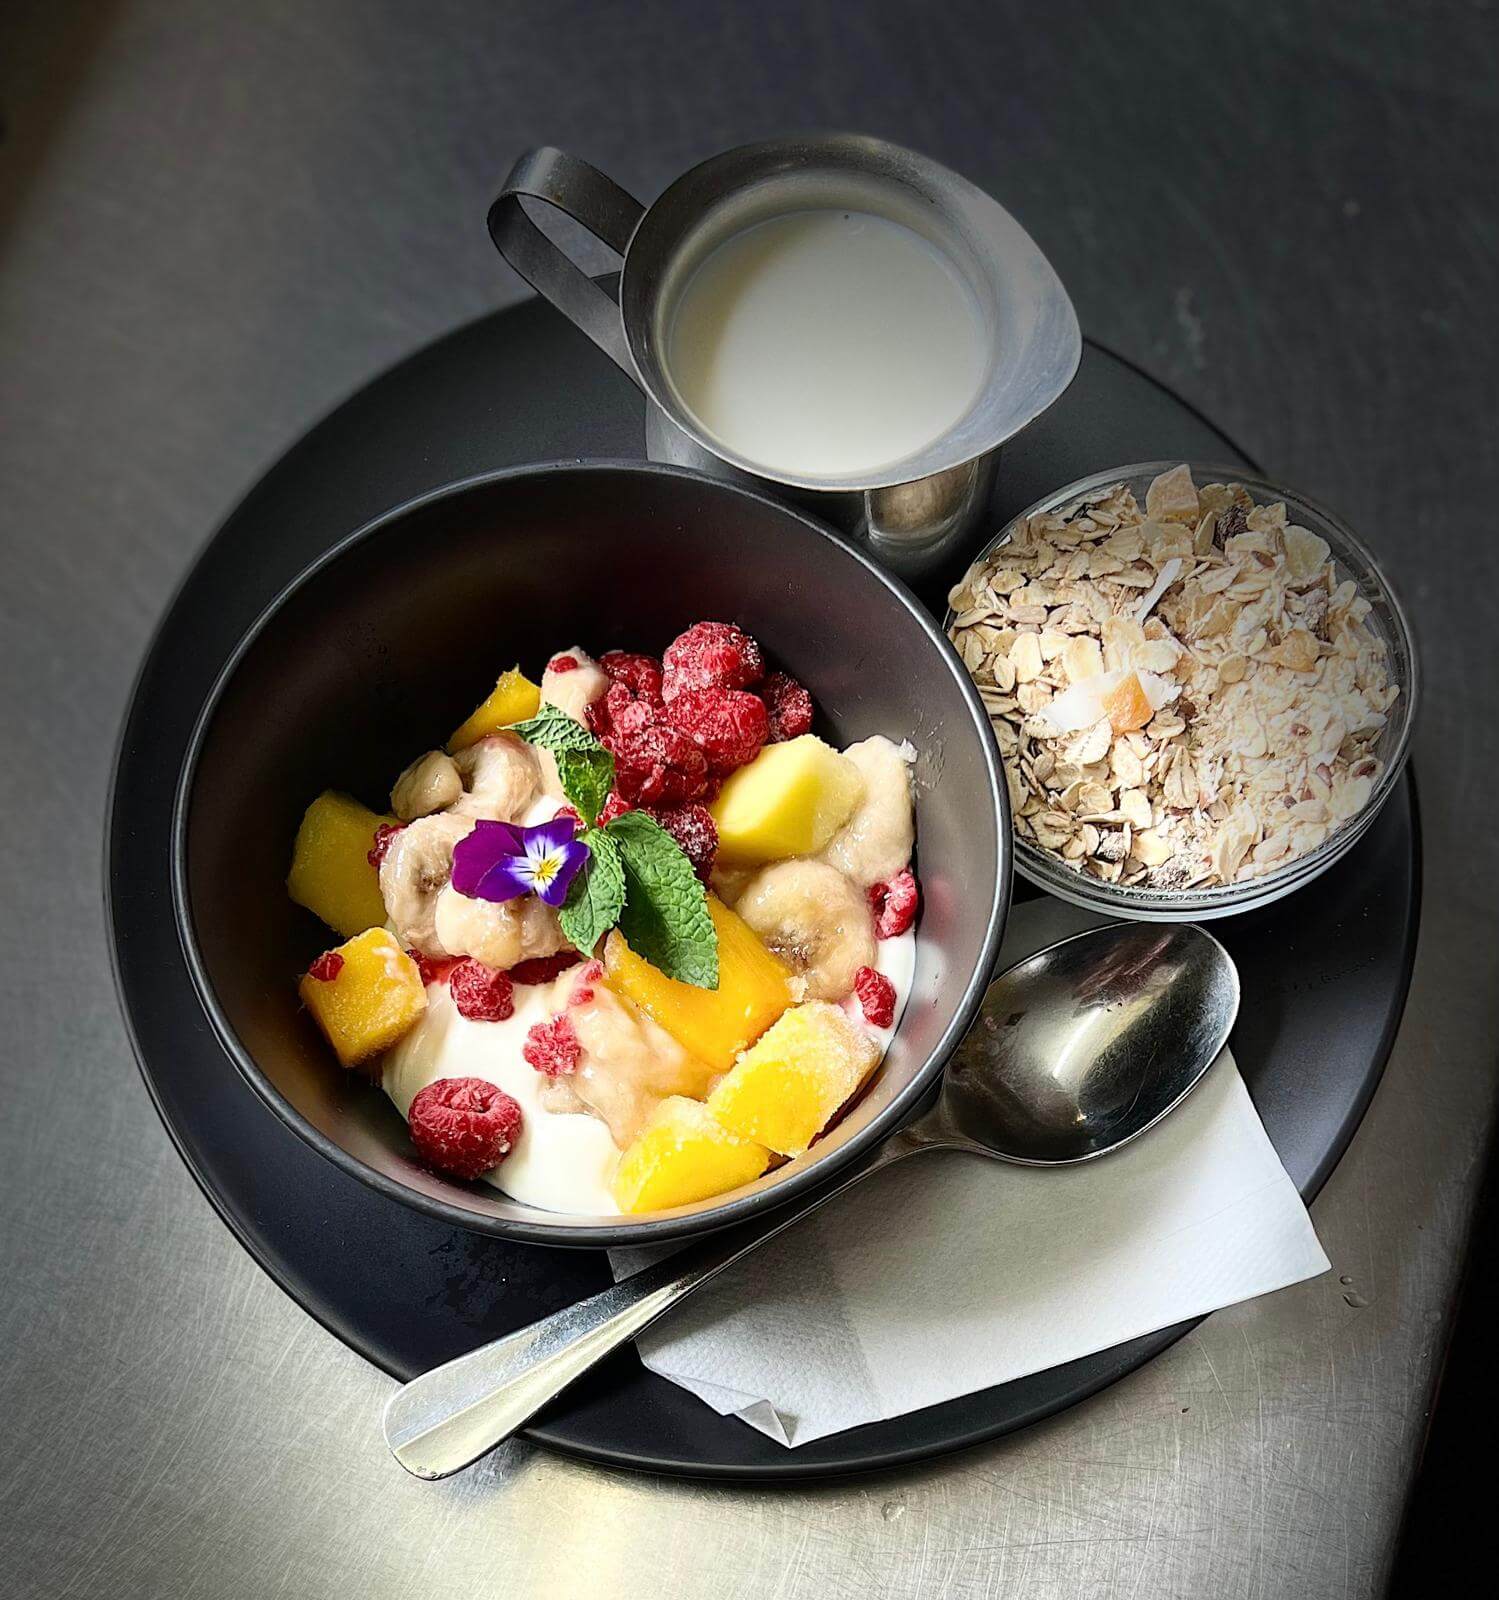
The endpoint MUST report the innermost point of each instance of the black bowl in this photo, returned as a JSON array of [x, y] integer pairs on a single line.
[[389, 640]]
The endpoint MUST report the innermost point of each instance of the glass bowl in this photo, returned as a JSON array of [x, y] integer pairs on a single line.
[[1386, 620]]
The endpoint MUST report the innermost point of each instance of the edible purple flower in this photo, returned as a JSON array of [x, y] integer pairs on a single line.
[[500, 861]]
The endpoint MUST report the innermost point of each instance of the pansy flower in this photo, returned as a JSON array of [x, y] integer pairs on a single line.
[[501, 861]]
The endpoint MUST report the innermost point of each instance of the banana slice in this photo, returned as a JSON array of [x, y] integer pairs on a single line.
[[875, 843], [811, 916]]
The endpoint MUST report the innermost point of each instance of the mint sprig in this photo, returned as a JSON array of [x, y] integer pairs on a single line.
[[637, 877], [597, 895], [665, 917], [584, 767]]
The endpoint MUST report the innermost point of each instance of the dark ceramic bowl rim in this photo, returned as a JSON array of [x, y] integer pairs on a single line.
[[558, 1233]]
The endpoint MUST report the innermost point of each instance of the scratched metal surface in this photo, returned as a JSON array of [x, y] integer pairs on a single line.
[[217, 220]]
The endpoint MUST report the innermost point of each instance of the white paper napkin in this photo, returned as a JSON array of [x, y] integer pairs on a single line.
[[948, 1273]]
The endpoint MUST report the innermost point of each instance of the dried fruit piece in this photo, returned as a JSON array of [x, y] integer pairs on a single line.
[[711, 655], [373, 996], [728, 725], [788, 1084], [480, 993], [876, 995], [683, 1155], [331, 873], [552, 1047], [788, 706], [754, 988], [464, 1126], [1126, 705], [894, 904], [514, 698], [789, 801]]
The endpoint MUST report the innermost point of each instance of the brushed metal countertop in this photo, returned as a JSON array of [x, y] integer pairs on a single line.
[[216, 221]]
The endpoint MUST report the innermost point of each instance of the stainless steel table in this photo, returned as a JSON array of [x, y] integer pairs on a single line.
[[216, 221]]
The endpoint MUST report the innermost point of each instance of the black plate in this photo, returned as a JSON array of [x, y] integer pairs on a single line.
[[1325, 972]]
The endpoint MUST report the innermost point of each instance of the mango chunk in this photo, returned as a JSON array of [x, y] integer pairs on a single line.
[[369, 997], [683, 1155], [789, 801], [330, 868], [513, 699], [787, 1085], [1127, 706], [754, 988]]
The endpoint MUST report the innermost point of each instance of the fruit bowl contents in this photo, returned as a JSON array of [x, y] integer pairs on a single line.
[[634, 936]]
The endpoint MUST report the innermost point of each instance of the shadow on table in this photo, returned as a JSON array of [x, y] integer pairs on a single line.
[[1449, 1520], [45, 52]]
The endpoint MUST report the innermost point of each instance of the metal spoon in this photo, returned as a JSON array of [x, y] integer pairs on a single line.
[[1076, 1051]]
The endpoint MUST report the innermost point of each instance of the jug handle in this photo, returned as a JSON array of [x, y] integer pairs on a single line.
[[589, 197]]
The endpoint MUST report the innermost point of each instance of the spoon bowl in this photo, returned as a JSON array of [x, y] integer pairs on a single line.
[[1076, 1051], [1085, 1045]]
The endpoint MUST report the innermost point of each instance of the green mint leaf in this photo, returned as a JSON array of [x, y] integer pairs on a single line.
[[586, 776], [597, 895], [665, 917], [584, 767], [554, 730]]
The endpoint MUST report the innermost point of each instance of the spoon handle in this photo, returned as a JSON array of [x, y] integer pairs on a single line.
[[449, 1417]]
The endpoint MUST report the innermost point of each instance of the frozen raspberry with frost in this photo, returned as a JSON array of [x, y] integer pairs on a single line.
[[789, 707], [876, 997], [571, 812], [552, 1047], [327, 966], [694, 829], [563, 663], [615, 806], [730, 726], [542, 969], [620, 713], [464, 1126], [711, 655], [434, 969], [658, 766], [894, 904], [481, 993], [641, 675], [383, 835]]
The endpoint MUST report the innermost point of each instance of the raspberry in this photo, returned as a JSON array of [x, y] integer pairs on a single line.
[[583, 984], [383, 835], [615, 806], [571, 812], [711, 655], [894, 904], [658, 766], [621, 713], [694, 829], [728, 725], [641, 675], [480, 993], [876, 997], [552, 1047], [464, 1126], [542, 969], [434, 969], [563, 664], [327, 966], [789, 706]]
